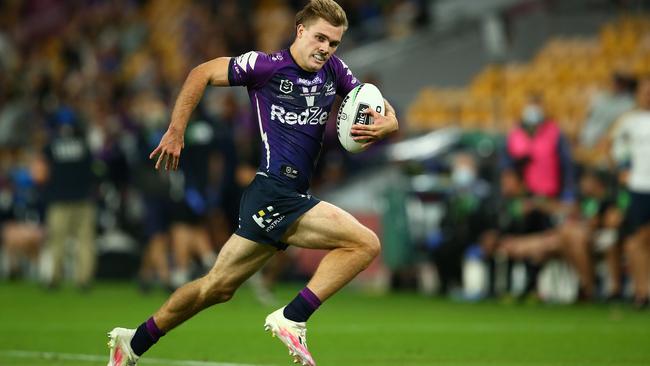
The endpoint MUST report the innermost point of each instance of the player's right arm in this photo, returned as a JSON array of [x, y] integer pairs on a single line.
[[251, 69], [213, 72]]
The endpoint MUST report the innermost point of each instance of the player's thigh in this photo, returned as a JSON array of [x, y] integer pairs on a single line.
[[238, 259], [326, 226]]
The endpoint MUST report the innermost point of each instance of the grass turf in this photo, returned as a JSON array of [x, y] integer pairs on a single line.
[[350, 329]]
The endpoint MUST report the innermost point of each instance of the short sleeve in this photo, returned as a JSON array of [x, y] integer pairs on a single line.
[[252, 69], [345, 80]]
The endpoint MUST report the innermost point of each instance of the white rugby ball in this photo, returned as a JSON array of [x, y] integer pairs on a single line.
[[351, 112]]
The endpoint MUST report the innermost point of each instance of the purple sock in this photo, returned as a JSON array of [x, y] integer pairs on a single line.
[[145, 336], [302, 306]]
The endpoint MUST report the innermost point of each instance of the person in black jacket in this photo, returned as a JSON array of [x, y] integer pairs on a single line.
[[71, 212]]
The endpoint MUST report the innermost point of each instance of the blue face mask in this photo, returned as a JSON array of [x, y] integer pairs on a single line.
[[532, 116], [463, 177]]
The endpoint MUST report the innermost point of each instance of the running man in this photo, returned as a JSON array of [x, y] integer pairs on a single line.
[[291, 92]]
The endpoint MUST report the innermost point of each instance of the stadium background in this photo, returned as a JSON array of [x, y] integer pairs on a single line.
[[459, 73]]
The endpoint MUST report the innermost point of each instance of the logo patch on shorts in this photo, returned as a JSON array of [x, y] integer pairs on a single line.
[[289, 171], [267, 219]]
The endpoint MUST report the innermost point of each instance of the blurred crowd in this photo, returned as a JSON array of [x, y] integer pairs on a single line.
[[549, 201], [530, 221], [86, 90]]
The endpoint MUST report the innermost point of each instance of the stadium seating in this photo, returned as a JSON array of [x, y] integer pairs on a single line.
[[566, 72]]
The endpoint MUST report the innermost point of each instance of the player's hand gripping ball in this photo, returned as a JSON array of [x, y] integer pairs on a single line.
[[351, 112]]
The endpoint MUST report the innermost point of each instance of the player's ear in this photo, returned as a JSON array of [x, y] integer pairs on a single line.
[[300, 30]]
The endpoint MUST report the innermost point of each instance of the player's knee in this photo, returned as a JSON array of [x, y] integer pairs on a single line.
[[371, 245]]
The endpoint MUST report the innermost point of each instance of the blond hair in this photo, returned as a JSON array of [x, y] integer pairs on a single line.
[[327, 10]]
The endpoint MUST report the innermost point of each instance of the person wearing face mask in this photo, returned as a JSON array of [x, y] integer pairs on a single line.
[[537, 149], [466, 220]]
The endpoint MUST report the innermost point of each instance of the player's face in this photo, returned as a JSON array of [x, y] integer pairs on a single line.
[[316, 43]]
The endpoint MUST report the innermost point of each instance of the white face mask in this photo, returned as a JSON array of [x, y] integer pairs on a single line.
[[463, 176], [532, 115]]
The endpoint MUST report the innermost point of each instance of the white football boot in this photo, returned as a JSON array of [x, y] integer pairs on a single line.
[[119, 341], [292, 334]]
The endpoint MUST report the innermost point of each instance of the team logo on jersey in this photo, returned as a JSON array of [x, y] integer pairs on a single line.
[[329, 89], [286, 86], [309, 94], [267, 219]]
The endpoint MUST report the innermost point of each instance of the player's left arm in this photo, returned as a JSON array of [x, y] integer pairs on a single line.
[[381, 127]]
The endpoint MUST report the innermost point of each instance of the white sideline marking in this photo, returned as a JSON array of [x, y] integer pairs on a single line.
[[104, 358]]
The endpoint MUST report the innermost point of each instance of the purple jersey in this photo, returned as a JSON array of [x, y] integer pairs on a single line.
[[291, 106]]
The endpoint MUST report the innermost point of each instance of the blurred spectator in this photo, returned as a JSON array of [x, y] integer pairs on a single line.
[[605, 109], [537, 149], [71, 213], [594, 222], [631, 149], [154, 188], [602, 211], [238, 140], [202, 172], [516, 217], [21, 232], [466, 220]]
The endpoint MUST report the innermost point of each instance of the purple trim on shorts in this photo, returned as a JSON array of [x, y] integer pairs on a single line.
[[153, 330], [310, 297]]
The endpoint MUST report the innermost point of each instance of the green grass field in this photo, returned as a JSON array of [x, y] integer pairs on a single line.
[[68, 329]]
